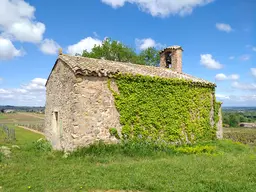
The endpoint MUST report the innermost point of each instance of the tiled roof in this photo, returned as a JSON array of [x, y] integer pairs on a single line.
[[100, 67], [174, 47]]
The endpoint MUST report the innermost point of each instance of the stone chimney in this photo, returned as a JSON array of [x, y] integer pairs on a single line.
[[171, 57]]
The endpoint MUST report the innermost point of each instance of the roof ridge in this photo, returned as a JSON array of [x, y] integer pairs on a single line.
[[102, 67]]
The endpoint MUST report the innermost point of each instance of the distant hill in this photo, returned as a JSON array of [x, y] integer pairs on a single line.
[[22, 108], [239, 109]]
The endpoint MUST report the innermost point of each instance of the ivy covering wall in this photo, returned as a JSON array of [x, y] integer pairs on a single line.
[[169, 110]]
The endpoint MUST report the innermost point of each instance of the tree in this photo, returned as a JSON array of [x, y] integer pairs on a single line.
[[112, 50], [242, 119], [233, 120], [150, 56], [116, 51], [226, 119]]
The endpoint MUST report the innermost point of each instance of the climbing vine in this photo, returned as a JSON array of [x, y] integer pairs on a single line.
[[165, 110]]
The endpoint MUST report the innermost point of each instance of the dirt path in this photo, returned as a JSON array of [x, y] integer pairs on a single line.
[[32, 130]]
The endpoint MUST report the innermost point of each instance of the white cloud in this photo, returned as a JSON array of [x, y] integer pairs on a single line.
[[26, 31], [234, 77], [222, 77], [231, 57], [7, 50], [244, 86], [247, 98], [143, 44], [253, 71], [224, 27], [253, 48], [245, 57], [49, 46], [95, 34], [209, 62], [4, 91], [20, 90], [222, 97], [32, 94], [85, 44], [37, 84], [237, 100], [17, 21], [161, 8]]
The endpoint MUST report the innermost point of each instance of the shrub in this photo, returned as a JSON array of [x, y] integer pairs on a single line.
[[196, 149], [42, 145], [114, 132]]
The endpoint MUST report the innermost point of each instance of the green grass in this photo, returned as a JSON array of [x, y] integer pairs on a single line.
[[23, 137], [2, 116], [220, 166]]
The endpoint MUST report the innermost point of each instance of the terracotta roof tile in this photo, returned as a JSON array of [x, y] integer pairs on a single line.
[[100, 67]]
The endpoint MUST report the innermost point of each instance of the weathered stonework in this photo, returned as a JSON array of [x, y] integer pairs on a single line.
[[80, 108], [219, 132], [85, 108], [60, 99], [176, 58], [95, 112]]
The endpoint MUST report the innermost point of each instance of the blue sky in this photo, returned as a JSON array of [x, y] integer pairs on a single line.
[[218, 38]]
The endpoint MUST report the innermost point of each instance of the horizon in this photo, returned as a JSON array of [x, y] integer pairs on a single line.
[[44, 106]]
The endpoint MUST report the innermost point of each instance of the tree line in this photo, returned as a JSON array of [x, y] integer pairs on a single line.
[[233, 119]]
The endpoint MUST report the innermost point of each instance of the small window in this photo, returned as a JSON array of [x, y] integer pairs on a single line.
[[55, 121], [56, 115]]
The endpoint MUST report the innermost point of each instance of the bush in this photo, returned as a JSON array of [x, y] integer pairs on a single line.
[[114, 132], [42, 145], [197, 149], [141, 149]]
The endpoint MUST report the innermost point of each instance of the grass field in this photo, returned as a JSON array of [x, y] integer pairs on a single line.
[[217, 166], [21, 118], [230, 168], [31, 120], [243, 135]]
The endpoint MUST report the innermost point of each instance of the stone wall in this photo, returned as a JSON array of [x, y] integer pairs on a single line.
[[176, 59], [60, 99], [85, 107], [95, 111], [219, 132]]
